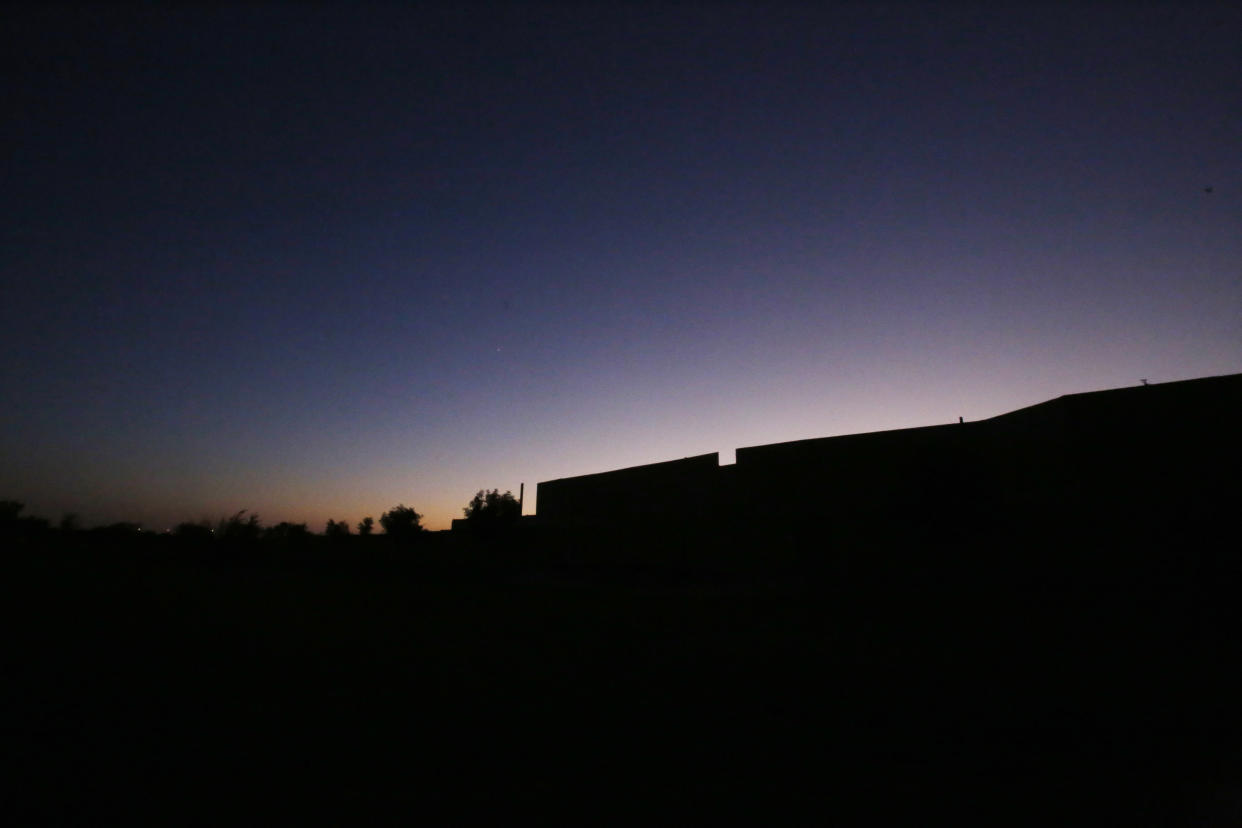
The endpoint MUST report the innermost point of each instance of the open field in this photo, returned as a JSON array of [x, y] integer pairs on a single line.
[[193, 687]]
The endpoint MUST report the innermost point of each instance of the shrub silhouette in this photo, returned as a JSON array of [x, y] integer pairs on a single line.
[[491, 511], [336, 529], [14, 526], [401, 522], [238, 529], [366, 526], [197, 533], [285, 533], [120, 528]]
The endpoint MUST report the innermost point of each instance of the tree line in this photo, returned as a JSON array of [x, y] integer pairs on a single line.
[[489, 511]]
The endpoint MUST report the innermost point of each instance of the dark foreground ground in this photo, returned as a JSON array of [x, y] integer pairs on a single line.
[[192, 688]]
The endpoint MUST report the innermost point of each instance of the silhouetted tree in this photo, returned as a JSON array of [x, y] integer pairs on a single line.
[[14, 526], [336, 529], [401, 522], [70, 522], [237, 529], [491, 511], [285, 532], [115, 532], [366, 526], [197, 533]]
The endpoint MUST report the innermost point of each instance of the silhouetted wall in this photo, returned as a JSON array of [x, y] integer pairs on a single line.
[[655, 495], [1163, 456], [1152, 454], [912, 479]]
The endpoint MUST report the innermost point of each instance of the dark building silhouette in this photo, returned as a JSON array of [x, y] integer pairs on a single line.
[[678, 491], [1157, 457]]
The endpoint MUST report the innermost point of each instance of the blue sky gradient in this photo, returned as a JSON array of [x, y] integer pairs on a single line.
[[314, 263]]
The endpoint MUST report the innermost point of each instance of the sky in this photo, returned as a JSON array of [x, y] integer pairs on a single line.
[[316, 261]]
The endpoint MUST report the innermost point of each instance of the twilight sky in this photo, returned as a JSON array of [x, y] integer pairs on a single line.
[[316, 262]]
